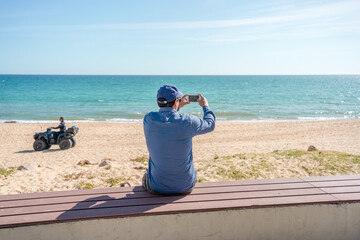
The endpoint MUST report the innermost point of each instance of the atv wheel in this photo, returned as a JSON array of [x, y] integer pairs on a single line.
[[73, 141], [48, 146], [39, 145], [65, 144]]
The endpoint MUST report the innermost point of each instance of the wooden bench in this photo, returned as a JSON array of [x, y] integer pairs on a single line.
[[294, 208]]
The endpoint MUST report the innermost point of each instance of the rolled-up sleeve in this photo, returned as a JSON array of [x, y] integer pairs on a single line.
[[204, 125]]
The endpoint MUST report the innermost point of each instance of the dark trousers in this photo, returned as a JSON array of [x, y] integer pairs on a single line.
[[56, 135], [146, 185]]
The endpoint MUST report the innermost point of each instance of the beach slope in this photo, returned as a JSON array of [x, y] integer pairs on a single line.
[[123, 145]]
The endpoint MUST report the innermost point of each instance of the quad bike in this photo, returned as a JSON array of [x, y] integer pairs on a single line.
[[65, 140]]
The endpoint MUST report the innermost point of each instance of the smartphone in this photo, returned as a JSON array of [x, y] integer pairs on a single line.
[[193, 98]]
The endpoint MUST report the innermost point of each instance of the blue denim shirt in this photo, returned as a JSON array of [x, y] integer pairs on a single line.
[[169, 136]]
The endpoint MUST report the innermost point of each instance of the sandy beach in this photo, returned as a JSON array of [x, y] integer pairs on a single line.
[[233, 146]]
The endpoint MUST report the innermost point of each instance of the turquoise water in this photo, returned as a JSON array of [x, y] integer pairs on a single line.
[[128, 98]]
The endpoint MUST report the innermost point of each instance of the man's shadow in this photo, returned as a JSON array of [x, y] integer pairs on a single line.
[[136, 202]]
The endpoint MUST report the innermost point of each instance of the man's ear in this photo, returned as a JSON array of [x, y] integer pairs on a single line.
[[176, 105]]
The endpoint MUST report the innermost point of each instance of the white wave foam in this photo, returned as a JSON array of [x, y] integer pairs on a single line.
[[123, 120], [327, 118], [300, 119], [220, 119], [113, 120]]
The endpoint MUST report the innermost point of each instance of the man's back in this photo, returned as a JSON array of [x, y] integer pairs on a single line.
[[169, 140]]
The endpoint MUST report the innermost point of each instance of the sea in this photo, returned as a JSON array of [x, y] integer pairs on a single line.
[[127, 98]]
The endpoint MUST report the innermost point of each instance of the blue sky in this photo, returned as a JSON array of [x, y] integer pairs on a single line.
[[179, 37]]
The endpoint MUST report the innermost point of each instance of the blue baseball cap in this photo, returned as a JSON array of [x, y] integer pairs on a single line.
[[169, 92]]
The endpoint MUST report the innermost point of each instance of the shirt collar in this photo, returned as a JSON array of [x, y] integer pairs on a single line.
[[167, 109]]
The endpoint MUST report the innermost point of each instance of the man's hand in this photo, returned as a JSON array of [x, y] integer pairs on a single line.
[[184, 101], [202, 101]]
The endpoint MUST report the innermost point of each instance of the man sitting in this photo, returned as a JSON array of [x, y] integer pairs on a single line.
[[169, 136], [61, 126]]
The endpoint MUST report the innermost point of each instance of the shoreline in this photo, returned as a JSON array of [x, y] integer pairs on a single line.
[[140, 121], [216, 155]]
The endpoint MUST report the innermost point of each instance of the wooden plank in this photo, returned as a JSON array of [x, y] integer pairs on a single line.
[[113, 202], [347, 197], [17, 197], [249, 182], [196, 191], [119, 202], [198, 185], [342, 189], [249, 188], [76, 198], [162, 209], [336, 183], [69, 199], [331, 178], [279, 181]]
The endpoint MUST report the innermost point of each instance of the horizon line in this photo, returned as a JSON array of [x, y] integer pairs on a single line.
[[81, 74]]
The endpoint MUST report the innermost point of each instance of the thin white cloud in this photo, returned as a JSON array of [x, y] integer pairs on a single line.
[[306, 23], [334, 9], [162, 25]]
